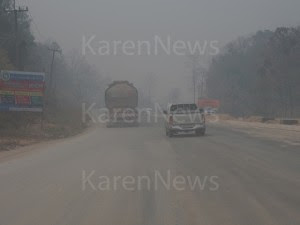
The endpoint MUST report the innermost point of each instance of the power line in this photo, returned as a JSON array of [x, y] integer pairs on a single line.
[[36, 26]]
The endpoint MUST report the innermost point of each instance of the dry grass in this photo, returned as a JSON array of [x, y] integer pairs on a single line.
[[18, 130], [251, 119]]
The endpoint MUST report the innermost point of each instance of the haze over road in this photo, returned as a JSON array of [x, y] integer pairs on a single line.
[[258, 180]]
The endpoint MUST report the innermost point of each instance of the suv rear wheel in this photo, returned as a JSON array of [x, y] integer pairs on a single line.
[[169, 133], [200, 132]]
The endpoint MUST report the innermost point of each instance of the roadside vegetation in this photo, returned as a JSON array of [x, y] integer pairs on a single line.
[[259, 75], [74, 81]]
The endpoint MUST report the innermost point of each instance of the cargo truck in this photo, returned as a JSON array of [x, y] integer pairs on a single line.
[[121, 100]]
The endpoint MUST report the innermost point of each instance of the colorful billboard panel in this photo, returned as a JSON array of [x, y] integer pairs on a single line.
[[22, 91]]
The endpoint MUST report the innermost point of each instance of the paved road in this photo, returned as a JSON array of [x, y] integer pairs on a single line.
[[84, 180]]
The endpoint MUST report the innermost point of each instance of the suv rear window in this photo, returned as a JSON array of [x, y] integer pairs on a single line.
[[182, 108]]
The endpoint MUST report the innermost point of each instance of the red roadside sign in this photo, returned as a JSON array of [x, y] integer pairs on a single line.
[[208, 103]]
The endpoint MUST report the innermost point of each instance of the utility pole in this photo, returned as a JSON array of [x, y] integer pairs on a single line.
[[200, 86], [194, 86], [16, 11], [194, 64], [194, 79], [54, 49]]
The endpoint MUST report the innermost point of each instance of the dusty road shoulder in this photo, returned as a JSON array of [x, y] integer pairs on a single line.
[[34, 146]]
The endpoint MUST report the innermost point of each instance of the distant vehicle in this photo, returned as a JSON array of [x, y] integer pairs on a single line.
[[121, 99], [184, 119]]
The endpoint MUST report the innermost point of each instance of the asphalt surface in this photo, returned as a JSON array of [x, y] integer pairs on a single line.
[[84, 180]]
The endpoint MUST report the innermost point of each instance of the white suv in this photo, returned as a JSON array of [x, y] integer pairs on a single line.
[[184, 118]]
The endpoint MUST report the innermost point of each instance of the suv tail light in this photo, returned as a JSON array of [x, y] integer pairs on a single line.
[[171, 120]]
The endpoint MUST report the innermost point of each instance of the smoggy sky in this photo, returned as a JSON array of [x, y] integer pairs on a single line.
[[67, 21]]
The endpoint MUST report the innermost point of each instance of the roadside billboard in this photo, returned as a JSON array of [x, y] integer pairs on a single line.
[[21, 91], [209, 103]]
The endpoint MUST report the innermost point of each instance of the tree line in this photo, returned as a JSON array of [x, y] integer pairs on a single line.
[[259, 74], [74, 79]]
